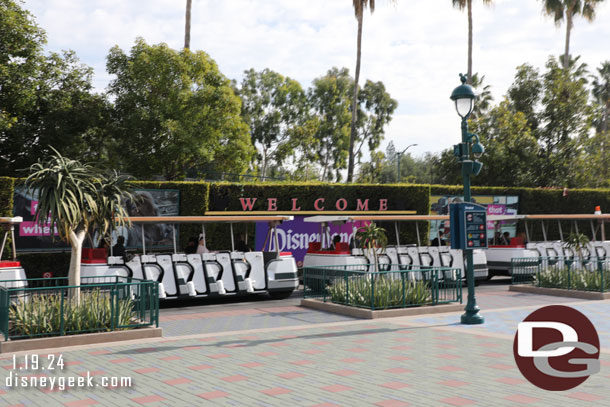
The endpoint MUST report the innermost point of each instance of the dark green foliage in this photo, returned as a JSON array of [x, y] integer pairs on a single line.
[[174, 111], [36, 264]]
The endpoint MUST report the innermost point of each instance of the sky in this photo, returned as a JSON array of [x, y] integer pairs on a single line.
[[416, 48]]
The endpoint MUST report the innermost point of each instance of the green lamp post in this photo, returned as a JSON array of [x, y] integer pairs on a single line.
[[464, 96]]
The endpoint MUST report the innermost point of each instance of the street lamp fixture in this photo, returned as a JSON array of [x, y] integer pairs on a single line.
[[469, 148], [398, 158]]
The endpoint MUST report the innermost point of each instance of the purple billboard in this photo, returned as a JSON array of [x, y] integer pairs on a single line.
[[294, 236]]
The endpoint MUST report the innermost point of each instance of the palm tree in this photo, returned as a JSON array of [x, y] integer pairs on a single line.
[[370, 238], [462, 4], [568, 9], [76, 198], [359, 7], [601, 93], [484, 97], [187, 25]]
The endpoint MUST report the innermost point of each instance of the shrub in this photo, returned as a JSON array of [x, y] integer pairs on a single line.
[[388, 292], [40, 315], [568, 278]]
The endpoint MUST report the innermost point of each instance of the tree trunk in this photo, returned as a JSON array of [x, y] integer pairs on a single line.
[[76, 241], [264, 171], [566, 54], [352, 136], [187, 25], [469, 81]]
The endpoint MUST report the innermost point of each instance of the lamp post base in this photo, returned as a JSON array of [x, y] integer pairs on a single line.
[[472, 317]]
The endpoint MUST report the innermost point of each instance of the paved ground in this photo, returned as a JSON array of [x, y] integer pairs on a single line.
[[285, 356]]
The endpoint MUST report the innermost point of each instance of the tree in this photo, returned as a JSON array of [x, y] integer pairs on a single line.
[[44, 100], [568, 9], [359, 7], [376, 107], [21, 44], [525, 93], [175, 111], [330, 101], [461, 4], [601, 94], [511, 151], [275, 109], [565, 121], [187, 24], [484, 97], [75, 198]]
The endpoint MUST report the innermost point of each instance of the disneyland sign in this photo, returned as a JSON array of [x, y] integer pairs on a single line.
[[319, 204]]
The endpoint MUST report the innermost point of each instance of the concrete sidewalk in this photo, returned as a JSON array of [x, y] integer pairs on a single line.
[[417, 361]]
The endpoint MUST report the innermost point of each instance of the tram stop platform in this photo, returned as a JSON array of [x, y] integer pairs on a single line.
[[276, 353]]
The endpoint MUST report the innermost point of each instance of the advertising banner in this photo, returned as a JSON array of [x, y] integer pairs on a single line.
[[495, 204], [30, 236], [294, 236]]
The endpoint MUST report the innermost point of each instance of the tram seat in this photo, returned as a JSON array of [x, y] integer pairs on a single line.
[[268, 256], [257, 271], [314, 247], [517, 242]]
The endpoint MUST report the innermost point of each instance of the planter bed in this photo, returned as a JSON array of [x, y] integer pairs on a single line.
[[560, 292], [386, 313], [78, 340]]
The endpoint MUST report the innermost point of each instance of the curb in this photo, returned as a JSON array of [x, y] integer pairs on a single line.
[[79, 340], [388, 313], [560, 292]]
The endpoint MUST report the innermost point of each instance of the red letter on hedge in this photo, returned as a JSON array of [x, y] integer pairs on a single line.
[[317, 206], [341, 204], [247, 203], [294, 204], [272, 204], [383, 204], [362, 206]]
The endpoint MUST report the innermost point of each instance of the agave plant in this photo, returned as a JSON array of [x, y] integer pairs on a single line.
[[41, 315]]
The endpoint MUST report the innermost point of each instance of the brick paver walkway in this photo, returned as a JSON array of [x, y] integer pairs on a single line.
[[416, 361]]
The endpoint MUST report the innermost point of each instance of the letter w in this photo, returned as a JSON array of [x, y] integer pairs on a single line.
[[247, 203]]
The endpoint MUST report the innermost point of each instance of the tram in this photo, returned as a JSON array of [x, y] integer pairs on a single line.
[[212, 274], [12, 274], [499, 256], [324, 253]]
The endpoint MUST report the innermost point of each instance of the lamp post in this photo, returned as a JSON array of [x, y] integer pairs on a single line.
[[398, 158], [464, 96]]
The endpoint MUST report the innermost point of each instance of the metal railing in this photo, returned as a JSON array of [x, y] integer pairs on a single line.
[[570, 273], [356, 286], [48, 307]]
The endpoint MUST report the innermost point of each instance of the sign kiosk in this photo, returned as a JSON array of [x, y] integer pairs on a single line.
[[468, 224]]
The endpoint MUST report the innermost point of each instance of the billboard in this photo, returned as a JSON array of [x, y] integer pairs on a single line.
[[294, 236], [495, 204], [30, 236]]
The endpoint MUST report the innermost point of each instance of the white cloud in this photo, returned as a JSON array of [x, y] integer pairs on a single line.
[[416, 48]]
